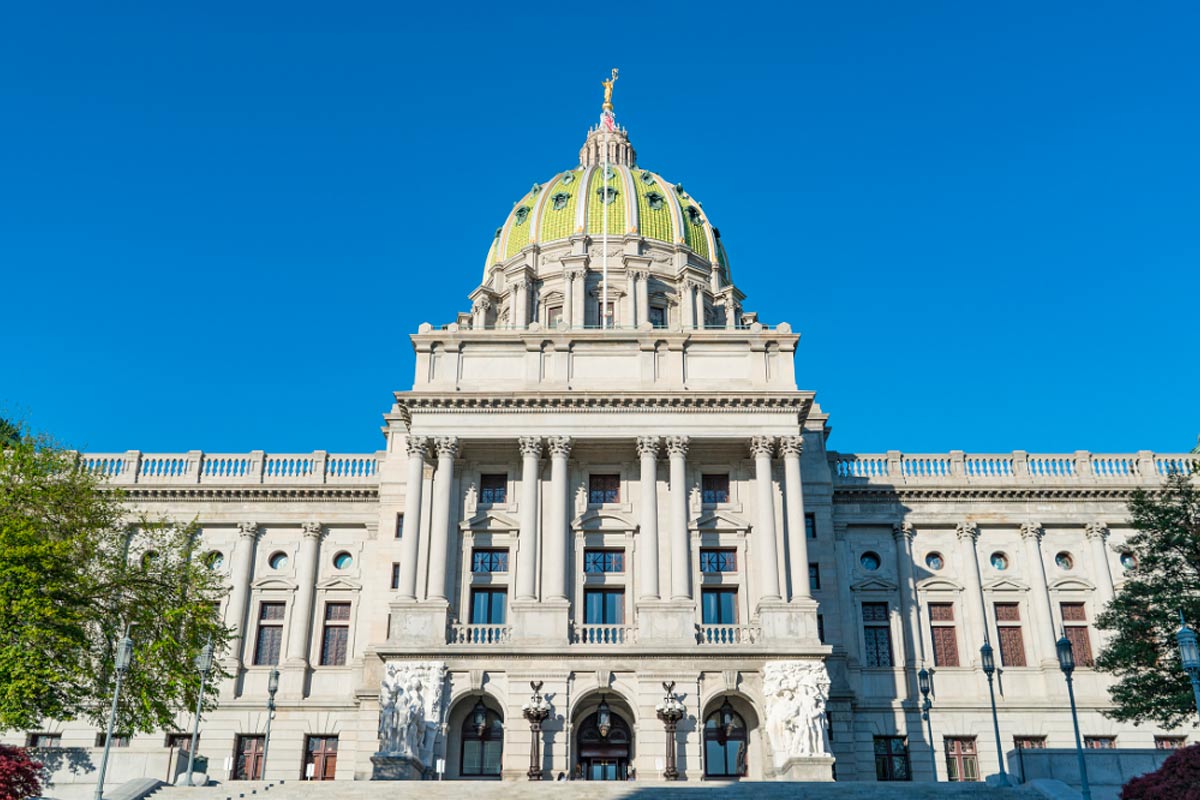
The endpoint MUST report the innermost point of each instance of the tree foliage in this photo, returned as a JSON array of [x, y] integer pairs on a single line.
[[78, 569], [1143, 618], [20, 775], [1177, 779]]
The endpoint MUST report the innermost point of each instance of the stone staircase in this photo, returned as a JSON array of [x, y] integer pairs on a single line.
[[585, 790]]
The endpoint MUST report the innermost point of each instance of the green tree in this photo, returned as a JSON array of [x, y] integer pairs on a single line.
[[1143, 617], [78, 568]]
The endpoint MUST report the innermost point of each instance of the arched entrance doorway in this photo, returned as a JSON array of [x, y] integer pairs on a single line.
[[603, 745], [731, 739], [475, 746]]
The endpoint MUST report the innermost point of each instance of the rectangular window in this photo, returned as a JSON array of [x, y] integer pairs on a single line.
[[395, 575], [605, 316], [1012, 642], [43, 740], [270, 634], [1029, 742], [487, 606], [493, 488], [1170, 742], [248, 762], [877, 635], [719, 606], [722, 559], [604, 607], [821, 629], [945, 638], [962, 762], [1100, 742], [489, 560], [714, 488], [1074, 618], [810, 525], [596, 562], [320, 757], [658, 316], [604, 488], [399, 525], [336, 638], [891, 759], [180, 741], [553, 316], [814, 576], [119, 739]]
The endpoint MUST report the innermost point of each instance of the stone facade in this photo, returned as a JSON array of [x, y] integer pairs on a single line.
[[607, 505]]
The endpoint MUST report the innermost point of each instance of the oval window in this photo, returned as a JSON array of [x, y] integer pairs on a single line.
[[214, 560], [278, 560], [870, 561], [999, 561], [343, 560], [1128, 560], [1064, 561], [935, 561]]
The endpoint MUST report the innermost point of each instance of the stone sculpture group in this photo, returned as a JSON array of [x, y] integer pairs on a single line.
[[796, 692], [410, 709]]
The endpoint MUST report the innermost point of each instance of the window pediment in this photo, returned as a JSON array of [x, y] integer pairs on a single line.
[[940, 584], [597, 519], [339, 583], [1072, 584], [490, 520], [1005, 585], [719, 520], [873, 585], [271, 582]]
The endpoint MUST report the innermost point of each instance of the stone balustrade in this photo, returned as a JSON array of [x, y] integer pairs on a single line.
[[256, 467], [603, 634], [462, 633], [1018, 467]]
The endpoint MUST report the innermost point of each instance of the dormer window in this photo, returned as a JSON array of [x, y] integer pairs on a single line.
[[606, 194], [559, 199], [522, 215], [655, 201], [693, 215]]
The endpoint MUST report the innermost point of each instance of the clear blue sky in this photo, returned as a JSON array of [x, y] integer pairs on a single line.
[[220, 221]]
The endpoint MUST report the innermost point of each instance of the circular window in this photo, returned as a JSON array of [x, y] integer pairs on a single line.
[[999, 561], [214, 560], [870, 560], [343, 560], [1064, 561], [149, 559], [1128, 560], [278, 560], [935, 561]]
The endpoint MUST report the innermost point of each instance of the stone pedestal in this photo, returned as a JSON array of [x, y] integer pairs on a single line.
[[544, 622], [789, 622], [807, 768], [667, 622], [394, 767], [418, 623]]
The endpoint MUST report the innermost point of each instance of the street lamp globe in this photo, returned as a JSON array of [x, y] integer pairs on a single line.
[[603, 718], [273, 683], [1066, 654], [479, 717], [923, 681], [124, 655], [204, 660], [988, 656], [1189, 647]]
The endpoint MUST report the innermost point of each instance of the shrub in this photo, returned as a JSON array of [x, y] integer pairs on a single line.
[[1177, 779], [20, 775]]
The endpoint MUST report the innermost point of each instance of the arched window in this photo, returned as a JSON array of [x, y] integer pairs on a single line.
[[725, 743], [482, 743]]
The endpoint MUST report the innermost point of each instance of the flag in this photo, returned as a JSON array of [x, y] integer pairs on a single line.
[[609, 122]]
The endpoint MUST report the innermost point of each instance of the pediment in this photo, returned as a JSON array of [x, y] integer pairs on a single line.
[[272, 582], [339, 583], [597, 519], [717, 519], [940, 584], [489, 520], [1072, 584], [873, 585], [1005, 585]]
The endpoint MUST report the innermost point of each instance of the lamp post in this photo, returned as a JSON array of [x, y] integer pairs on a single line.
[[536, 711], [121, 661], [670, 711], [923, 683], [479, 718], [988, 655], [1066, 662], [203, 664], [272, 688], [1189, 655]]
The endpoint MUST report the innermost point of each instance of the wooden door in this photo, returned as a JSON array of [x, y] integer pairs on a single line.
[[321, 753], [249, 758]]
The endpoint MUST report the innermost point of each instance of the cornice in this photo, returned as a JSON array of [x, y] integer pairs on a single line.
[[792, 402]]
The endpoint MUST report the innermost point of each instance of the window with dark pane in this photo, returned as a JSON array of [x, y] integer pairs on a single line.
[[604, 607], [1012, 641], [596, 562], [891, 759], [604, 488], [821, 628], [814, 576], [962, 760], [810, 525], [714, 488], [335, 639], [718, 559], [270, 634], [1100, 742], [399, 525], [1074, 618], [877, 635], [488, 606], [493, 488], [489, 559], [482, 746], [658, 317], [1029, 742], [943, 634], [395, 575], [718, 606]]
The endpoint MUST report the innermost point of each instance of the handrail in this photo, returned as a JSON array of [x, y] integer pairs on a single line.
[[1018, 467], [134, 467]]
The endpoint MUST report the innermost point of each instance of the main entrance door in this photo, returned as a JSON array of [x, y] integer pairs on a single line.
[[604, 752]]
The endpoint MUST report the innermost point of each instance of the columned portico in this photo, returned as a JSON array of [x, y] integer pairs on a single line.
[[411, 532]]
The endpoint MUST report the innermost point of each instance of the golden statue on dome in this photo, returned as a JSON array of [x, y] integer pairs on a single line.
[[608, 87]]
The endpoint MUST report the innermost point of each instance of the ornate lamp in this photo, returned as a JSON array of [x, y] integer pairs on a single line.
[[987, 658], [479, 718], [603, 718], [535, 711], [1189, 655], [727, 717], [923, 683], [122, 659], [670, 711], [272, 688], [203, 663], [1066, 662]]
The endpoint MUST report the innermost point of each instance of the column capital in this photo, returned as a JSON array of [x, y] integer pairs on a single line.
[[762, 446], [530, 446], [481, 304], [312, 529], [903, 530], [637, 274], [1096, 530], [447, 446], [559, 446], [249, 529], [1032, 530], [791, 445], [418, 446], [648, 446], [573, 273], [677, 445], [966, 530]]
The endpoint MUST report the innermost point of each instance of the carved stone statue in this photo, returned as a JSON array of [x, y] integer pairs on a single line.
[[410, 709], [796, 692]]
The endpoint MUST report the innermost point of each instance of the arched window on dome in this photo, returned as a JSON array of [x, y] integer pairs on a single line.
[[482, 743], [725, 743]]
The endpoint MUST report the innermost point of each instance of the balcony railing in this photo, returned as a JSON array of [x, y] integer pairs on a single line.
[[134, 467], [729, 634], [603, 634], [1018, 467], [479, 634]]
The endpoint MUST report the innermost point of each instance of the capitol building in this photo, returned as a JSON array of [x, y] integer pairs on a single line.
[[606, 537]]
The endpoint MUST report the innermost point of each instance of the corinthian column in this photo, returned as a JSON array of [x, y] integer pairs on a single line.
[[647, 447], [411, 533], [790, 448], [1097, 535], [968, 533], [242, 567], [902, 534], [764, 535], [558, 527], [531, 451], [681, 564], [300, 630], [1043, 612], [439, 528]]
